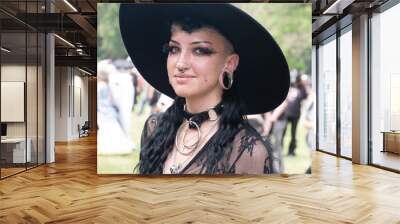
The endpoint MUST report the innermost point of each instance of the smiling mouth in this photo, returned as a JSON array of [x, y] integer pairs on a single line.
[[183, 79], [184, 76]]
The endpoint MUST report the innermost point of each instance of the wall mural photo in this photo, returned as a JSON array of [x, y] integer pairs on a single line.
[[204, 89]]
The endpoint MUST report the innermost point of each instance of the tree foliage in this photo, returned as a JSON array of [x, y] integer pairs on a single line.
[[109, 42], [290, 25]]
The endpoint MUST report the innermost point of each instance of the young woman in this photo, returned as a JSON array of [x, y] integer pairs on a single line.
[[219, 65]]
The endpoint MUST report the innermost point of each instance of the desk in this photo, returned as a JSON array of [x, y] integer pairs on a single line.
[[16, 147], [391, 141]]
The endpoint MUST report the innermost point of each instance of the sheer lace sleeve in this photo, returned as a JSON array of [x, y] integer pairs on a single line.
[[250, 154], [148, 128]]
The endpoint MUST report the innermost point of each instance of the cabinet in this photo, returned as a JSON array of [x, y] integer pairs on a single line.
[[391, 141], [13, 150]]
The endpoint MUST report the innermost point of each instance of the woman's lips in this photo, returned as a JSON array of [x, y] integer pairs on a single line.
[[183, 79]]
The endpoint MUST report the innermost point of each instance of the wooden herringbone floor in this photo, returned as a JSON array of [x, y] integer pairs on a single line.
[[70, 191]]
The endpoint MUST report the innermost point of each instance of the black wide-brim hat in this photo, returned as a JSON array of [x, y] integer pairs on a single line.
[[262, 76]]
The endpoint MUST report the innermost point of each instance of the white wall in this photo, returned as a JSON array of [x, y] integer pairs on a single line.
[[12, 73], [61, 103], [12, 101], [71, 102], [33, 106]]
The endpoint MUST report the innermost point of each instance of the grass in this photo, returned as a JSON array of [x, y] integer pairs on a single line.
[[117, 164], [299, 163]]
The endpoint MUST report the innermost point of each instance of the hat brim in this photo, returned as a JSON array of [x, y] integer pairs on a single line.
[[262, 76]]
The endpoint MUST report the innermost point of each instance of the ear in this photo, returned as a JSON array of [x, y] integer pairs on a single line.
[[232, 62]]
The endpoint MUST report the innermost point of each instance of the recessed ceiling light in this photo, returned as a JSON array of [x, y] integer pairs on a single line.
[[5, 50], [337, 7], [70, 5], [64, 40], [84, 71]]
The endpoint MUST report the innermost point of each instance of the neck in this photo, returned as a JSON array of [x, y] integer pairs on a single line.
[[199, 104]]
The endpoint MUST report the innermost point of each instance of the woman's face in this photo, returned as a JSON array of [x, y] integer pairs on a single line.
[[196, 60]]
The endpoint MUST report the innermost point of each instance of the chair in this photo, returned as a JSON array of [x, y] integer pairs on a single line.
[[84, 130]]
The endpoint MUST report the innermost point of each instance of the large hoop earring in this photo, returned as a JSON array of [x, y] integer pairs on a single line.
[[226, 80]]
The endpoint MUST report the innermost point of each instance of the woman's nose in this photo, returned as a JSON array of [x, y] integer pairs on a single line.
[[183, 63], [181, 67]]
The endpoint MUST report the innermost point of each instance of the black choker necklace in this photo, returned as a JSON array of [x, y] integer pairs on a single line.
[[199, 118]]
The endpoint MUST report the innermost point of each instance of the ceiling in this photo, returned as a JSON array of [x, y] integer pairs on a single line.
[[328, 16], [74, 22]]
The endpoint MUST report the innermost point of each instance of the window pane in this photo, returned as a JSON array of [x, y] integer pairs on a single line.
[[386, 88], [15, 151], [346, 94], [327, 96], [31, 100]]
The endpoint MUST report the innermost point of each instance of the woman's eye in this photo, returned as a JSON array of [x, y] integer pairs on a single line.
[[173, 50], [170, 49], [203, 51]]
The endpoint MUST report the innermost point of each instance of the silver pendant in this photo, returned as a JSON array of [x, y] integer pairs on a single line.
[[212, 115], [174, 169]]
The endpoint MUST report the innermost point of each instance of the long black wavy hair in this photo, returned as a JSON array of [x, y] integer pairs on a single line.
[[155, 151]]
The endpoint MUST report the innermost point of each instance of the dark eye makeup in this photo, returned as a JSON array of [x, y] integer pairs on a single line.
[[169, 49], [203, 51], [200, 51]]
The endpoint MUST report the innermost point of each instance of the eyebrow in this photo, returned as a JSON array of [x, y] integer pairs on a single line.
[[195, 42]]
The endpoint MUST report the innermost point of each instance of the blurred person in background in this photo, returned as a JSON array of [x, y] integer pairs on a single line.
[[139, 84], [135, 80], [148, 96], [112, 106], [277, 123], [297, 94], [163, 103], [123, 94], [143, 87], [257, 121], [122, 86], [153, 96], [308, 118]]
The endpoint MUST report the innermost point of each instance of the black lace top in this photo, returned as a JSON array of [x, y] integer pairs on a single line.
[[247, 154]]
